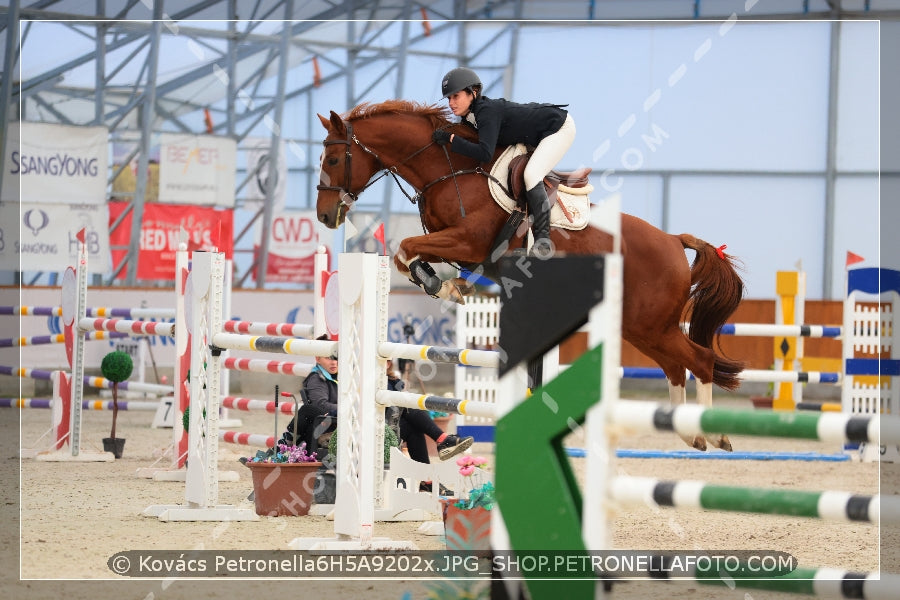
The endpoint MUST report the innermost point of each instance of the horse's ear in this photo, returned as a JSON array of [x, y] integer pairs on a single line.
[[337, 123], [325, 122]]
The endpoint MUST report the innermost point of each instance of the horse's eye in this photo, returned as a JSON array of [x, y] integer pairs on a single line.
[[332, 162]]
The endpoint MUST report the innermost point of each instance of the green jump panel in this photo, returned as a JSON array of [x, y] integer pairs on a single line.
[[536, 488]]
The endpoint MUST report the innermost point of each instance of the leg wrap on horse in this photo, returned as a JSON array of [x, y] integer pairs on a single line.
[[423, 275]]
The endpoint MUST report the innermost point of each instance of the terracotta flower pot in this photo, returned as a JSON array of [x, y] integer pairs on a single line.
[[283, 489], [762, 402], [466, 529]]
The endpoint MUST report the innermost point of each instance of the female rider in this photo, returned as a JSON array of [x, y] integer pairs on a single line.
[[547, 128]]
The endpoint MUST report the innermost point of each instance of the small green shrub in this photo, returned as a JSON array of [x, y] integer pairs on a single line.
[[390, 439]]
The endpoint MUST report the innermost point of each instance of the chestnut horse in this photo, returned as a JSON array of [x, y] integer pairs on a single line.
[[462, 221]]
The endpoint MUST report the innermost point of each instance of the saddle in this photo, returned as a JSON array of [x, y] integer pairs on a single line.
[[569, 193], [516, 183]]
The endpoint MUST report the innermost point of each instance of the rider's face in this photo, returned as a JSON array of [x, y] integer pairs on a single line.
[[460, 102]]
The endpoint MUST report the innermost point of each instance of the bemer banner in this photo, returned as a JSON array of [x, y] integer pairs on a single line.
[[197, 169]]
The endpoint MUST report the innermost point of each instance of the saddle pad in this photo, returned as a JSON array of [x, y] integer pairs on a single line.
[[578, 206]]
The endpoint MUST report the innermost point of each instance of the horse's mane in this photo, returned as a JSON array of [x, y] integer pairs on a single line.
[[436, 114]]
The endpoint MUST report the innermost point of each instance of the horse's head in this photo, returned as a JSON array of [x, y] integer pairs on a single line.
[[399, 133], [344, 172]]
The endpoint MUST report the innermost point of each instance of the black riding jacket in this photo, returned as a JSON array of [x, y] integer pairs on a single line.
[[502, 123]]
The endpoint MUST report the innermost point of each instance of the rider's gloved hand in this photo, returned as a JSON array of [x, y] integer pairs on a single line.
[[441, 137]]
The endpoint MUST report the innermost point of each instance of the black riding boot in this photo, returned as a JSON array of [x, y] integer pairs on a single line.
[[539, 205]]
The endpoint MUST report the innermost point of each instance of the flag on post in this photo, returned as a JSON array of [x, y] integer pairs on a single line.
[[379, 235], [80, 235], [852, 258]]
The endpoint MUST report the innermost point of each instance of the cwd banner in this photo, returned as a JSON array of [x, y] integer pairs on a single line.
[[197, 169], [206, 228], [293, 241], [57, 164]]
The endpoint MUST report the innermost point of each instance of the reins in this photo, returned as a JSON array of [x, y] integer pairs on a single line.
[[462, 210]]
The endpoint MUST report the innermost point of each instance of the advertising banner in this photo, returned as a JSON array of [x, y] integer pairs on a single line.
[[197, 169], [206, 228], [258, 159], [47, 235], [57, 164], [292, 247]]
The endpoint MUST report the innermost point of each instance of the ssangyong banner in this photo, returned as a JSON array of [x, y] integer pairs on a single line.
[[47, 236], [206, 228], [197, 169], [293, 241], [59, 164]]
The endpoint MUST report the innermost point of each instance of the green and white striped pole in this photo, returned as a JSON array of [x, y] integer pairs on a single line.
[[826, 583], [634, 416], [830, 505]]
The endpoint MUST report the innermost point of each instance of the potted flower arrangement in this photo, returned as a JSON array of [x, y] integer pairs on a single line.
[[284, 481], [467, 520], [116, 367]]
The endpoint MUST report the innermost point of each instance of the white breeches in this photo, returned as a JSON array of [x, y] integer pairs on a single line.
[[548, 153]]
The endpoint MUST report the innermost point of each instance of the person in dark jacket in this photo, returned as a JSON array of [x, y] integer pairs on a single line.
[[321, 384], [547, 128], [321, 395], [416, 423], [317, 417]]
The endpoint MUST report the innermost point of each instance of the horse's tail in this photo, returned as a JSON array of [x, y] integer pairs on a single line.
[[716, 291]]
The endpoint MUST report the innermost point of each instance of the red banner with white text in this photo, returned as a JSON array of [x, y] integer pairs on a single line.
[[206, 228], [293, 241]]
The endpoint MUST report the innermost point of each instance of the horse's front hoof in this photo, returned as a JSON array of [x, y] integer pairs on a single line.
[[699, 443], [450, 292], [465, 288]]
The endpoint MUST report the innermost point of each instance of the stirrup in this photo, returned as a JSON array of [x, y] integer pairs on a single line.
[[542, 248]]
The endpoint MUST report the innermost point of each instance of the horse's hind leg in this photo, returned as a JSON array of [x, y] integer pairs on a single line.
[[672, 351], [677, 397], [704, 398]]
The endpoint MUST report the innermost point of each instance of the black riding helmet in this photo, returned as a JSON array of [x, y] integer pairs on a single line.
[[458, 79]]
